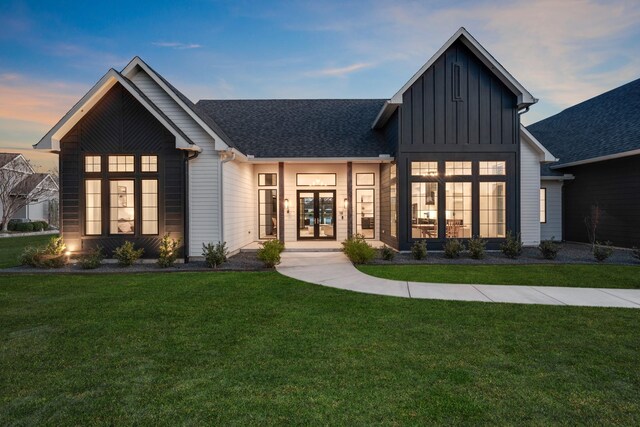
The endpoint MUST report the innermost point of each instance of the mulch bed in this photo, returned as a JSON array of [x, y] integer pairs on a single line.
[[570, 253], [244, 261]]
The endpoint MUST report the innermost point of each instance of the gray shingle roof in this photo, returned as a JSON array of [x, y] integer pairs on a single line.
[[7, 158], [604, 125], [29, 183], [300, 127]]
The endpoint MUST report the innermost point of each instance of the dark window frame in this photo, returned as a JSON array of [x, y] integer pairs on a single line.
[[275, 184], [148, 155], [357, 213], [373, 174], [335, 179], [270, 237], [140, 209]]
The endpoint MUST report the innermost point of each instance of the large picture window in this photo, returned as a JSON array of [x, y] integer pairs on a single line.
[[93, 207], [267, 214], [149, 206], [492, 209], [424, 210], [122, 207], [365, 212], [458, 210]]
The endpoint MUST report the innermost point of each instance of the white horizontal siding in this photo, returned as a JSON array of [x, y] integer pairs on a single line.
[[552, 229], [529, 194], [239, 205], [203, 197]]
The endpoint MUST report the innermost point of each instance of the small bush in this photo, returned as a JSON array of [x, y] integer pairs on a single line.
[[37, 226], [635, 252], [476, 247], [419, 249], [24, 227], [168, 251], [602, 251], [387, 253], [52, 255], [549, 249], [269, 252], [92, 259], [453, 248], [512, 246], [215, 255], [12, 224], [127, 254], [358, 250]]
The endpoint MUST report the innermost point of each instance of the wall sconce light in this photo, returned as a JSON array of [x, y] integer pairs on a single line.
[[286, 205]]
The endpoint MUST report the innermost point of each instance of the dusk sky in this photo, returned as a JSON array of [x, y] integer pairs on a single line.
[[51, 53]]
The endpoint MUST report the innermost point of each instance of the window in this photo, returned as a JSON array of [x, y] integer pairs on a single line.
[[121, 164], [149, 206], [316, 179], [424, 168], [267, 213], [92, 164], [492, 209], [493, 168], [267, 179], [149, 163], [365, 179], [458, 212], [457, 168], [122, 207], [424, 210], [393, 201], [93, 207], [365, 212], [543, 205]]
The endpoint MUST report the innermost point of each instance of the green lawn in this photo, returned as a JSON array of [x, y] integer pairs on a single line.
[[12, 247], [261, 349], [590, 276]]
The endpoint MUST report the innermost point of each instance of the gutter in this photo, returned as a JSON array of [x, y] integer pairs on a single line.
[[186, 205], [229, 155]]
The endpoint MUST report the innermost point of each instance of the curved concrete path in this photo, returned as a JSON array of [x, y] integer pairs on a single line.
[[333, 269]]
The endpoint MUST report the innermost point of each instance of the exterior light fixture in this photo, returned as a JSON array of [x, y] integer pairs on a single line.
[[346, 203], [286, 204]]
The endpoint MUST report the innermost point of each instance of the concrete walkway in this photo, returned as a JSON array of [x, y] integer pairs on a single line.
[[333, 269]]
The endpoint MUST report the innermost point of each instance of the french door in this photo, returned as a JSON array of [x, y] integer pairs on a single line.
[[317, 215]]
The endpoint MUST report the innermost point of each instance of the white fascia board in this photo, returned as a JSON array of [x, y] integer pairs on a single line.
[[547, 157], [598, 159], [384, 114], [137, 61], [51, 141], [320, 159], [524, 96]]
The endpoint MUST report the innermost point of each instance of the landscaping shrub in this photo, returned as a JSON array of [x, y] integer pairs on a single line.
[[512, 247], [549, 249], [476, 247], [52, 255], [358, 250], [215, 255], [387, 253], [168, 251], [12, 224], [602, 251], [127, 254], [37, 226], [92, 259], [24, 227], [453, 248], [635, 252], [419, 249], [270, 250]]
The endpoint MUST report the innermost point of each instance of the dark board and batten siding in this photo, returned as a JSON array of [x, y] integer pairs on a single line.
[[457, 110], [119, 124], [613, 186]]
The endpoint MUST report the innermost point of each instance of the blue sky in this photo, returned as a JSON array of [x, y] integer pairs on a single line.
[[51, 53]]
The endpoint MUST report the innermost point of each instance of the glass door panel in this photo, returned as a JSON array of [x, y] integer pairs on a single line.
[[306, 215], [326, 215]]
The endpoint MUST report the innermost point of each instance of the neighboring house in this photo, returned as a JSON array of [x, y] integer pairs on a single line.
[[27, 183], [445, 157], [598, 145]]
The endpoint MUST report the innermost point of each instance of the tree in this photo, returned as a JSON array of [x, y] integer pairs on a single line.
[[592, 222], [20, 186]]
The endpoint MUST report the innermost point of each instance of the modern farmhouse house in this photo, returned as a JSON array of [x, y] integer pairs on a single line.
[[445, 157]]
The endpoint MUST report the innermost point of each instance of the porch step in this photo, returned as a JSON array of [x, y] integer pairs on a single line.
[[254, 250]]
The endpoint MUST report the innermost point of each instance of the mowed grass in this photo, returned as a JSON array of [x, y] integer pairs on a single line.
[[12, 247], [576, 275], [263, 349]]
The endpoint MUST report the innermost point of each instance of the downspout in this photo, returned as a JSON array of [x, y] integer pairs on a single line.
[[229, 155], [186, 205]]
